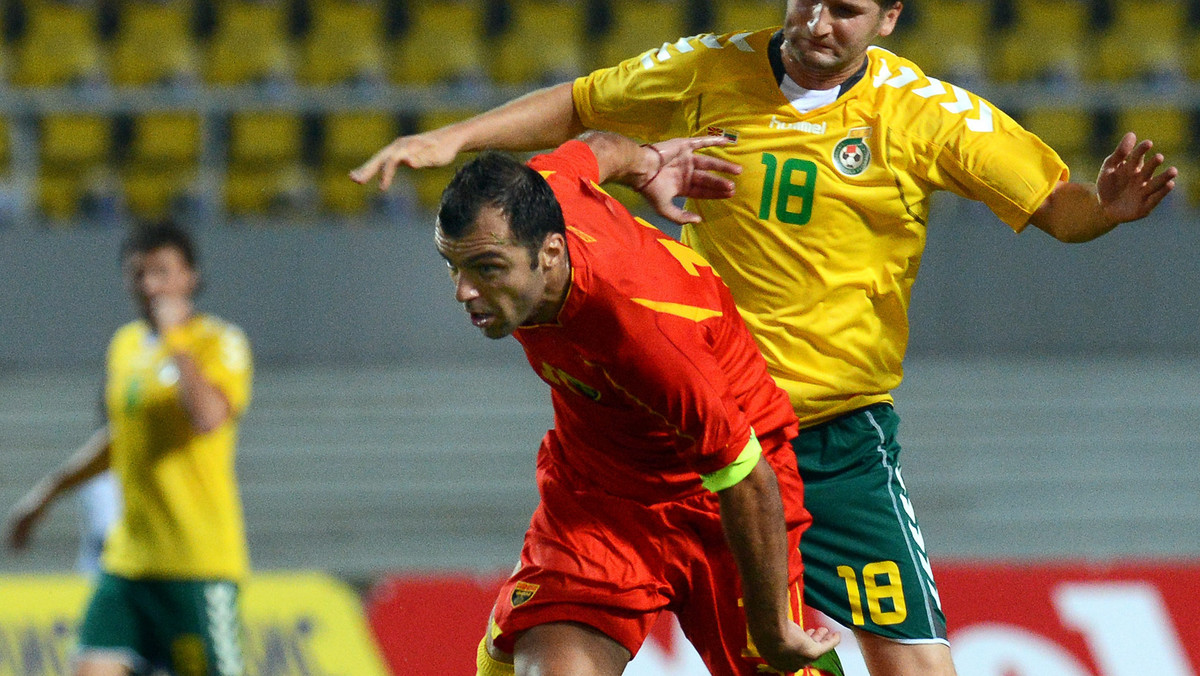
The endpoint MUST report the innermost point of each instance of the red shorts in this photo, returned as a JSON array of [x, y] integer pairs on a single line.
[[616, 564]]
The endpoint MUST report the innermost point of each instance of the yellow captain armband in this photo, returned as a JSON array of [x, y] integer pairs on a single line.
[[735, 471], [486, 665]]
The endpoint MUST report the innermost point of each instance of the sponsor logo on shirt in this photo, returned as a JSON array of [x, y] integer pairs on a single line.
[[806, 127]]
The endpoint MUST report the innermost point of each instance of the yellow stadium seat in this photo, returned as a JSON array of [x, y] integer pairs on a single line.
[[166, 139], [152, 192], [747, 15], [442, 43], [60, 46], [75, 140], [1046, 42], [544, 43], [1169, 128], [1145, 39], [155, 43], [945, 40], [343, 197], [58, 194], [1068, 130], [274, 191], [344, 42], [249, 43], [638, 26], [351, 138], [265, 139]]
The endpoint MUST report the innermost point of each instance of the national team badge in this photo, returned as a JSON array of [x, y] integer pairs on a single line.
[[852, 155], [730, 134], [522, 592]]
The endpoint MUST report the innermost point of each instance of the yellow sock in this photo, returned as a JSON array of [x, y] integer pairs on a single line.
[[486, 665]]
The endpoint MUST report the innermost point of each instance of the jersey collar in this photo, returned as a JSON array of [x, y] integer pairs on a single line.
[[775, 55]]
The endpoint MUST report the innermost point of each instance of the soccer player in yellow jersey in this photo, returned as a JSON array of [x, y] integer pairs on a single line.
[[841, 145], [176, 384]]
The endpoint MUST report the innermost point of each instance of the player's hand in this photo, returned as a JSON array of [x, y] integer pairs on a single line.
[[1127, 187], [687, 174], [168, 312], [22, 519], [430, 149], [798, 648]]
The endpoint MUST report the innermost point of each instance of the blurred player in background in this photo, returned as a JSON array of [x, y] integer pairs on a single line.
[[99, 505], [176, 384], [658, 484], [841, 147]]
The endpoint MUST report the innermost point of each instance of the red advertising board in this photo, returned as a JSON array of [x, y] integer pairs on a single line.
[[1035, 619]]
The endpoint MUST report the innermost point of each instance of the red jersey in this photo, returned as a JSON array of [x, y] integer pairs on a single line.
[[654, 377]]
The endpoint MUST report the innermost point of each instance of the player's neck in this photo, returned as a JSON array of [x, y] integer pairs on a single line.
[[558, 285], [816, 80]]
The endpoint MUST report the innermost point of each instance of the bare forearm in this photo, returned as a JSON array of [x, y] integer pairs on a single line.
[[541, 119], [621, 159], [90, 459], [205, 404], [752, 516], [1073, 213]]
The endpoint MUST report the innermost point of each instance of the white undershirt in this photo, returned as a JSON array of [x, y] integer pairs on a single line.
[[803, 99]]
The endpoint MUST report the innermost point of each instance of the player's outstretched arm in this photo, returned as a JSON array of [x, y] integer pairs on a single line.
[[1127, 189], [89, 460], [541, 119], [753, 520], [665, 170]]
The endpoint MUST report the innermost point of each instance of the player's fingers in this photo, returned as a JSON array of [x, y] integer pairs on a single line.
[[712, 183], [1137, 156], [367, 170], [710, 163], [698, 142], [1122, 150], [1151, 165]]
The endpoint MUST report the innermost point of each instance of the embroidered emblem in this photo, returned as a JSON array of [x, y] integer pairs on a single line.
[[522, 592]]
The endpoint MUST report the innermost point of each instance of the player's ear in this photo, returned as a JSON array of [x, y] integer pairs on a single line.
[[554, 250], [890, 15]]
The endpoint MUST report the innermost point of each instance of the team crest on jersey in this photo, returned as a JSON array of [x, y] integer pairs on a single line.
[[852, 155], [730, 134], [522, 592]]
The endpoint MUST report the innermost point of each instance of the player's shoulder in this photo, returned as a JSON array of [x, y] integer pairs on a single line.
[[128, 333], [211, 327], [732, 50], [913, 100]]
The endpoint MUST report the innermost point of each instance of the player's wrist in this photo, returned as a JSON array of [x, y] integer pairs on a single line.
[[653, 165]]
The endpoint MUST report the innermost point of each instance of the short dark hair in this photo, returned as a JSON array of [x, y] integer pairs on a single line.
[[494, 179], [146, 237]]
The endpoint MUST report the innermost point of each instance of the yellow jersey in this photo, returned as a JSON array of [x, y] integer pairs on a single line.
[[822, 241], [182, 516]]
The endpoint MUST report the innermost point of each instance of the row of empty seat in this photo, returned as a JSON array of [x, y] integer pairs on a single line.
[[146, 42], [260, 160]]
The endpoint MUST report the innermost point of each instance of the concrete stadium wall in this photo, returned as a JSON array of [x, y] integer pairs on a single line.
[[380, 294]]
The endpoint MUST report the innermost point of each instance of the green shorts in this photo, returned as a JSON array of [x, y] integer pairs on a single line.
[[864, 558], [190, 627]]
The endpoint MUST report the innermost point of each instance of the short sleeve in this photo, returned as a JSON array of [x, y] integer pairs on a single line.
[[572, 159], [226, 362], [648, 97]]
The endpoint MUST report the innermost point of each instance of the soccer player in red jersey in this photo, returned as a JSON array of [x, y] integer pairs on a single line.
[[668, 482]]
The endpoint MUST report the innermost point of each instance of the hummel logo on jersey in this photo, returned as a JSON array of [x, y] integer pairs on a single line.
[[806, 127]]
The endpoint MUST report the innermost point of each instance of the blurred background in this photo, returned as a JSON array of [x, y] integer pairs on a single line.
[[1051, 391]]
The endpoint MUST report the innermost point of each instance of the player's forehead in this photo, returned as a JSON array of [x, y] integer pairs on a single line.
[[167, 256], [489, 234]]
